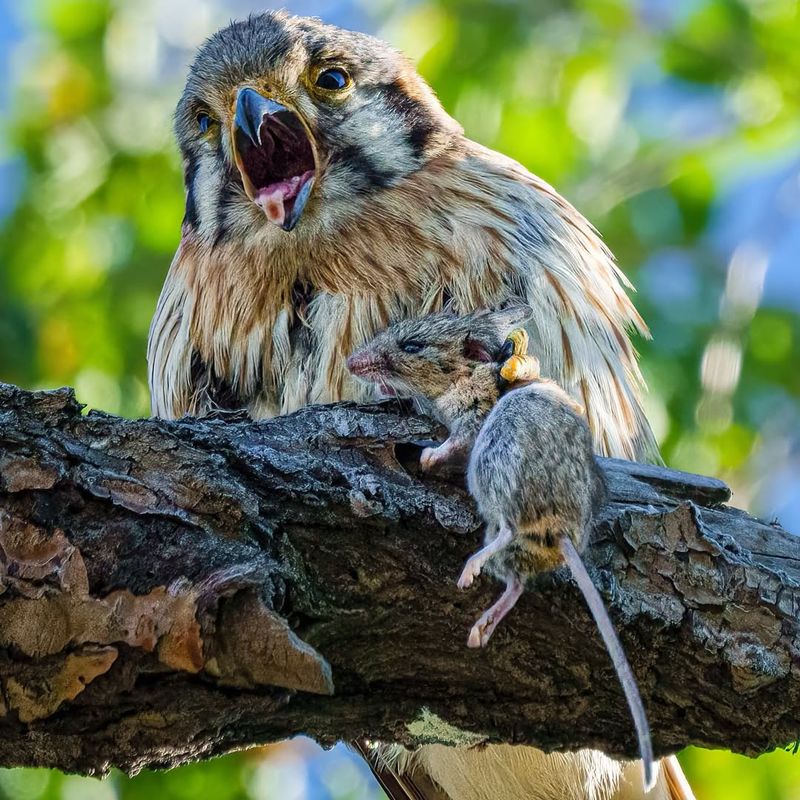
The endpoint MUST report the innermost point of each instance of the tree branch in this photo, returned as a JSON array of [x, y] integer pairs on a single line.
[[173, 590]]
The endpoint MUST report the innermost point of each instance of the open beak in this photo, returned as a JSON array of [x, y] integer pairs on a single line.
[[274, 155]]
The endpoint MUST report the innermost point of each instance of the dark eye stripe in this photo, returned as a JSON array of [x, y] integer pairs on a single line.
[[190, 217], [418, 119]]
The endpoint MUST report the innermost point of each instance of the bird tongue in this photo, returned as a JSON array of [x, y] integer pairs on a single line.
[[274, 199]]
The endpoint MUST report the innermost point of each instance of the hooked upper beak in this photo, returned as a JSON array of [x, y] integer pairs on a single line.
[[251, 110], [274, 153]]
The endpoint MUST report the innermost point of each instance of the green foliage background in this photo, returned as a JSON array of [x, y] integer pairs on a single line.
[[663, 121]]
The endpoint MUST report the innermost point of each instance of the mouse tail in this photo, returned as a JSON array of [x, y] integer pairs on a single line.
[[614, 647]]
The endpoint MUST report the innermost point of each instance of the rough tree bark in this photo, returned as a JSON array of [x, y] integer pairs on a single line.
[[171, 591]]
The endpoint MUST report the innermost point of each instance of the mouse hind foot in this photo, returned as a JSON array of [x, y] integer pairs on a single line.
[[483, 629], [476, 562]]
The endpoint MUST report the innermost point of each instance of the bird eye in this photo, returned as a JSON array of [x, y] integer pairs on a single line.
[[332, 80], [203, 122], [411, 347]]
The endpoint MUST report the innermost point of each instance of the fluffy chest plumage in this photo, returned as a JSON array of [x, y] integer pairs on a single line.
[[267, 324], [260, 319]]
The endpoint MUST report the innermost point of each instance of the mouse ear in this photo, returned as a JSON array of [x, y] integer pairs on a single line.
[[477, 350], [506, 319], [490, 328]]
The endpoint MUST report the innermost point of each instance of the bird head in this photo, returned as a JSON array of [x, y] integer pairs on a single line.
[[286, 122]]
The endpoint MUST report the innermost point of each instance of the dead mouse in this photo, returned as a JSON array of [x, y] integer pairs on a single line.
[[531, 466]]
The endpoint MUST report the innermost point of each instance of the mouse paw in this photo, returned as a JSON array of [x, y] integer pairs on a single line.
[[480, 633], [471, 571], [430, 458]]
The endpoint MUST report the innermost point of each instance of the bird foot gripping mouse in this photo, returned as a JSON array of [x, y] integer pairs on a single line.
[[531, 466]]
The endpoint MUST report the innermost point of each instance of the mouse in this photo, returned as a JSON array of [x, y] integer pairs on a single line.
[[528, 452]]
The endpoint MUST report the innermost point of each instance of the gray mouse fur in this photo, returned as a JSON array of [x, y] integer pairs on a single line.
[[531, 466]]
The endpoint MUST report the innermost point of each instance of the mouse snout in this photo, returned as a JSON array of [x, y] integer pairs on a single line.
[[365, 362], [353, 362]]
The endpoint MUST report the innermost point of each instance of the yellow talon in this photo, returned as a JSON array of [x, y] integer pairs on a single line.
[[520, 367], [520, 339]]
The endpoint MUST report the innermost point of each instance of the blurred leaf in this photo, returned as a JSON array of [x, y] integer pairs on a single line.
[[644, 112]]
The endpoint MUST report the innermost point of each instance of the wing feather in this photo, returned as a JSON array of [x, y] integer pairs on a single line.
[[398, 784], [559, 266], [169, 347]]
